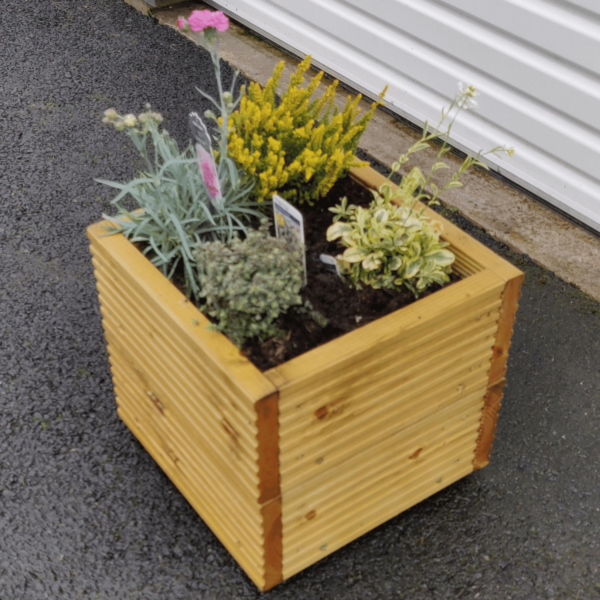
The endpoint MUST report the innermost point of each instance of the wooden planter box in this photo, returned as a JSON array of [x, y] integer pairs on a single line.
[[288, 465]]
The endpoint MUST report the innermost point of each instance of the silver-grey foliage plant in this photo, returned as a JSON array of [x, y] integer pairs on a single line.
[[247, 284], [176, 211]]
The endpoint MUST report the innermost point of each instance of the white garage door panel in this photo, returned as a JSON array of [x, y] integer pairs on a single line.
[[406, 57], [540, 24], [522, 67], [547, 108], [589, 5]]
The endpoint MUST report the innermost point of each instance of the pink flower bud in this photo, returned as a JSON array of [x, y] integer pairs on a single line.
[[200, 20], [183, 24]]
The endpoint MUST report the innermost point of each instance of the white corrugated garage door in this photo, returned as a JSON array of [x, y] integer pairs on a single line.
[[535, 62]]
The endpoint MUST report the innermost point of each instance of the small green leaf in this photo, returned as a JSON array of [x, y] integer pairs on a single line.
[[372, 262], [412, 268], [354, 255], [337, 230], [395, 263]]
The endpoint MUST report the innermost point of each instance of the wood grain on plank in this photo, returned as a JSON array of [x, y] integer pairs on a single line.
[[183, 386], [214, 494], [386, 458], [407, 355], [239, 457], [154, 349], [447, 467], [353, 430], [160, 454], [206, 455]]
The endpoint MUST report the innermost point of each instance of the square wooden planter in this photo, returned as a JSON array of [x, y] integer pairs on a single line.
[[288, 465]]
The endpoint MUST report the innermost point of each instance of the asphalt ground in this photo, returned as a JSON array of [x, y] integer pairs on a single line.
[[86, 513]]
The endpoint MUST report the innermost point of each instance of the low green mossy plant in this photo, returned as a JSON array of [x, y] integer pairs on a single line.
[[246, 285]]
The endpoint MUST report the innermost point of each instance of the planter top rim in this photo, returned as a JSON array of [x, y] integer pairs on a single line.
[[228, 357]]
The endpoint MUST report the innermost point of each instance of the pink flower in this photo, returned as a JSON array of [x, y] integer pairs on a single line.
[[199, 20], [210, 179], [182, 23]]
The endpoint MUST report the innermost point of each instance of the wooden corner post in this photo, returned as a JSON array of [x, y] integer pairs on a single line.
[[496, 381], [267, 412]]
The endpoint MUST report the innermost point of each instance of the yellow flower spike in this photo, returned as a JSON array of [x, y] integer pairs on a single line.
[[256, 140], [274, 145], [298, 76]]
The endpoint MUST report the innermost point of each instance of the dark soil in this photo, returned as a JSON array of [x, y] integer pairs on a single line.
[[345, 307]]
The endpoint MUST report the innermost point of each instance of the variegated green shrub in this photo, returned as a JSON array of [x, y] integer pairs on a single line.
[[390, 245]]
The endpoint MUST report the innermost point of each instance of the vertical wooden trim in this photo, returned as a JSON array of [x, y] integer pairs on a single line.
[[267, 412], [273, 540], [489, 418], [496, 381], [510, 303]]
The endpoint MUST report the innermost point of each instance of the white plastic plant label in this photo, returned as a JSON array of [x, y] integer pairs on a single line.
[[331, 263], [289, 225]]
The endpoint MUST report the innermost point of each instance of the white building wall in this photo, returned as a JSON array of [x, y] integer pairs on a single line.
[[535, 62]]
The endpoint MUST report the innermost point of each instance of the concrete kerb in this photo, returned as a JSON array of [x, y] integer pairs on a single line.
[[511, 216]]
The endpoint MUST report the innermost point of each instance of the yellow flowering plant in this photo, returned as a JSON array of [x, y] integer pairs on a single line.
[[297, 147]]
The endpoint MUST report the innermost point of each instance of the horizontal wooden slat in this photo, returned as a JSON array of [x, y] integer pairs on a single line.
[[163, 389], [442, 469], [208, 455], [155, 344], [342, 414], [214, 490], [318, 458], [416, 350], [373, 493], [413, 346], [186, 320], [319, 503], [404, 451], [153, 444]]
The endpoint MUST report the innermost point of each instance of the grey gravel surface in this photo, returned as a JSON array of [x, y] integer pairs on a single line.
[[84, 511]]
